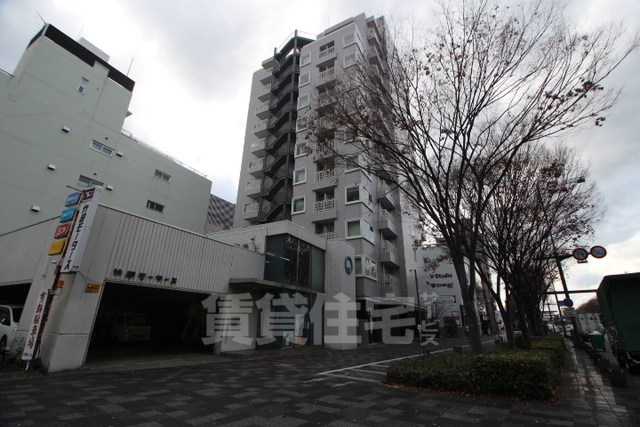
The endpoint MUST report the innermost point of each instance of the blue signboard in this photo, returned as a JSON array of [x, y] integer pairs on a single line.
[[72, 199], [67, 214]]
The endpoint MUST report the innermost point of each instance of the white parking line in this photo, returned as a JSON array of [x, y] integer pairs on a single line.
[[333, 373]]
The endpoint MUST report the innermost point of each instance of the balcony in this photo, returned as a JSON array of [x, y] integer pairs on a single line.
[[387, 224], [257, 147], [255, 167], [324, 210], [390, 280], [265, 75], [327, 52], [260, 129], [265, 93], [324, 179], [262, 110], [373, 36], [252, 189], [324, 205], [386, 196], [250, 211], [389, 254], [326, 76]]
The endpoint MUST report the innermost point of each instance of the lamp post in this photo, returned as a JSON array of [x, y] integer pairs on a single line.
[[415, 275]]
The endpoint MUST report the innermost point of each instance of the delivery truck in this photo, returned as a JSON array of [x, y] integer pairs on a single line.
[[619, 297]]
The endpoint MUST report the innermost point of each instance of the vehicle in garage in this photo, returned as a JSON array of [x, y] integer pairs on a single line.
[[131, 327], [9, 319]]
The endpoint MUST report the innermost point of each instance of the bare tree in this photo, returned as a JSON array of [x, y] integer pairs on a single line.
[[443, 117], [543, 205], [591, 306]]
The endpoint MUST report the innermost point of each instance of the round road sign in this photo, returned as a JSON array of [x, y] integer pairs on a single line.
[[568, 302], [598, 252], [580, 254]]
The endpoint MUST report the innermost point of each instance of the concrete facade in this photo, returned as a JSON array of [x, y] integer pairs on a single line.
[[338, 202], [61, 117]]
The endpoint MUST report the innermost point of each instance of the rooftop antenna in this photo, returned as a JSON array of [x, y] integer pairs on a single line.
[[41, 18], [130, 64]]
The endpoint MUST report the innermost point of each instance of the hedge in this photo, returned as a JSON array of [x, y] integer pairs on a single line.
[[525, 374]]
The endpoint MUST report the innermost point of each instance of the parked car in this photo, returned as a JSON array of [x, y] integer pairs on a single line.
[[131, 327], [9, 319]]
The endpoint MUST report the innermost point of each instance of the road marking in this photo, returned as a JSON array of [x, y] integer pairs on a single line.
[[343, 372]]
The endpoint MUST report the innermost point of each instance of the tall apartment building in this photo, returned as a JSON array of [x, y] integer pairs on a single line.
[[284, 177], [61, 117]]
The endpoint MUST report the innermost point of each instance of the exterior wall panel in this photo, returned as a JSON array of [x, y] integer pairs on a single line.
[[162, 253]]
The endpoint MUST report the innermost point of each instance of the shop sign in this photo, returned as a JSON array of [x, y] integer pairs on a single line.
[[34, 329]]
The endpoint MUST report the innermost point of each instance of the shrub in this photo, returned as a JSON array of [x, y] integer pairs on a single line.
[[526, 374]]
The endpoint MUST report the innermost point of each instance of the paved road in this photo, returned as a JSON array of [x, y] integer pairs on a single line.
[[337, 388]]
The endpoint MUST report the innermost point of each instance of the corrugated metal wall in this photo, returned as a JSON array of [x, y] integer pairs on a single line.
[[162, 253]]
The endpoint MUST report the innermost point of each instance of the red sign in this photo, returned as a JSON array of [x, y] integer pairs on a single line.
[[62, 231]]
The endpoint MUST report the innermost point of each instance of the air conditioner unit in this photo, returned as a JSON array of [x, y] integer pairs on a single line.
[[66, 129]]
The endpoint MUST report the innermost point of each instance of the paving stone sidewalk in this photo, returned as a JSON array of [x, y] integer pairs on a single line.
[[336, 388]]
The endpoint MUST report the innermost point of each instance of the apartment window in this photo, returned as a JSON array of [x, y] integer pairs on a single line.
[[297, 205], [353, 163], [82, 87], [107, 151], [305, 79], [360, 228], [349, 39], [357, 193], [155, 206], [305, 59], [303, 101], [349, 60], [353, 194], [301, 149], [85, 181], [365, 266], [299, 176], [301, 124], [161, 175]]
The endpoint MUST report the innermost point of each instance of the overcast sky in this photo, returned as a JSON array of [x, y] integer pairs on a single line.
[[192, 62]]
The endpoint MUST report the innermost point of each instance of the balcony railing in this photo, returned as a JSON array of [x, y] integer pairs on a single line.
[[328, 236], [327, 74], [390, 280], [385, 214], [258, 144], [389, 247], [326, 52], [253, 185], [256, 163], [325, 175], [265, 89], [324, 205], [251, 208]]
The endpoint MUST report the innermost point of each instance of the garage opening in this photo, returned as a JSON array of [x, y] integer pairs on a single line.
[[136, 320], [14, 294]]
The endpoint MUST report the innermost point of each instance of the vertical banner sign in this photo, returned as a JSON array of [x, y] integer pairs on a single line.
[[34, 329], [80, 230]]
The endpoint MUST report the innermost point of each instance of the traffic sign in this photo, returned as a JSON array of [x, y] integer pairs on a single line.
[[598, 252], [568, 302], [580, 254]]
